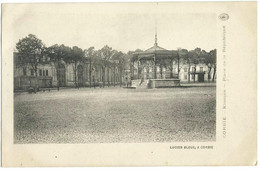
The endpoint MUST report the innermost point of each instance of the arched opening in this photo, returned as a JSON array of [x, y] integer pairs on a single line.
[[61, 75], [80, 75]]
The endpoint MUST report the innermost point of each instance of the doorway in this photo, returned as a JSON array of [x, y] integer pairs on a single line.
[[200, 77], [80, 75]]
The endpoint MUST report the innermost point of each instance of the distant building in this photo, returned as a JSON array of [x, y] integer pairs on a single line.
[[87, 74]]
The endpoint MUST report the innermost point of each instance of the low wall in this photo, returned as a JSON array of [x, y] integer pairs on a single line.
[[163, 83], [87, 84], [25, 82]]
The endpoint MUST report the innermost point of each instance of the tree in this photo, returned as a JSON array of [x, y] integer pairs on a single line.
[[195, 59], [121, 59], [132, 59], [187, 58], [57, 54], [75, 56], [213, 56], [180, 52], [90, 54], [207, 60], [183, 59], [31, 52], [105, 54]]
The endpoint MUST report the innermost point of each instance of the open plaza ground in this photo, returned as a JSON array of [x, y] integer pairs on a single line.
[[115, 114]]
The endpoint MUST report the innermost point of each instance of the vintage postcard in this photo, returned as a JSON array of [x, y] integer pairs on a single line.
[[129, 84]]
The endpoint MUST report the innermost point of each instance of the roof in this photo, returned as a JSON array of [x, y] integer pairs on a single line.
[[155, 52], [155, 48]]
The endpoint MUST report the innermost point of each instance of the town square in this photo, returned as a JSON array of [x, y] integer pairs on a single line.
[[157, 85], [114, 114], [113, 99]]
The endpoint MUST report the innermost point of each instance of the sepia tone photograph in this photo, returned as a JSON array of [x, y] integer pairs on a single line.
[[80, 90], [129, 84], [107, 78]]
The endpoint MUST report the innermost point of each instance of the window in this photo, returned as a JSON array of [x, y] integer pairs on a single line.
[[185, 69], [32, 72], [47, 73], [185, 77], [201, 69], [192, 77], [40, 72], [43, 73]]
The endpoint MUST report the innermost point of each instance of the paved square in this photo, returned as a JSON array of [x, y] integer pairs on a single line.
[[116, 115]]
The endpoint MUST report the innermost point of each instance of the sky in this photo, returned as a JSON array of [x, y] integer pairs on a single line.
[[123, 27]]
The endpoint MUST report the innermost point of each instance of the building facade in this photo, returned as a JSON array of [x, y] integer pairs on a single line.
[[49, 75]]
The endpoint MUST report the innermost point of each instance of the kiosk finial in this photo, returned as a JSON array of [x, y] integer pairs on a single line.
[[155, 43]]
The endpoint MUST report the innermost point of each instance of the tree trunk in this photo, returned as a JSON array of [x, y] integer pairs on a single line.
[[103, 75], [120, 77], [36, 76], [161, 71], [58, 75], [189, 74], [133, 66], [214, 73], [75, 75], [171, 68], [90, 73], [114, 76], [209, 71], [178, 66], [108, 83], [194, 74], [137, 69]]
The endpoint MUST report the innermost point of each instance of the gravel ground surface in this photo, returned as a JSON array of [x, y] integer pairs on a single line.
[[116, 115]]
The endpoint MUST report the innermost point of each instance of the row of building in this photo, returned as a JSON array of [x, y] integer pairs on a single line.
[[142, 66], [63, 75]]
